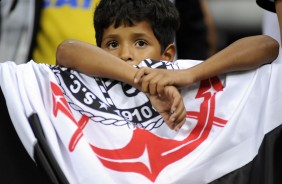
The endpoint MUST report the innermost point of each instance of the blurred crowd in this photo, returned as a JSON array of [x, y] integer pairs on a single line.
[[33, 29]]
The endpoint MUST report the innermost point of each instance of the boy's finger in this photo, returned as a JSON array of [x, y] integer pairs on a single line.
[[179, 114], [181, 119], [152, 89], [160, 90], [139, 74], [144, 87], [166, 119], [179, 125], [176, 104]]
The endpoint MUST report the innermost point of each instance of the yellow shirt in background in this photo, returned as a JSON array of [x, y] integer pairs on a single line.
[[61, 20]]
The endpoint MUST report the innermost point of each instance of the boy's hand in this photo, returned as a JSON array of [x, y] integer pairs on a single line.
[[171, 107], [154, 81]]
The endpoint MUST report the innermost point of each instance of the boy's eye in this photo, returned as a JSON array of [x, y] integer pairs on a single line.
[[112, 44], [141, 43]]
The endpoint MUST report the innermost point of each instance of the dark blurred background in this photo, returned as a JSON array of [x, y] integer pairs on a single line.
[[235, 19]]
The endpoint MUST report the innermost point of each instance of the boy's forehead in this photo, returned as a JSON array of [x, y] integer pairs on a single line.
[[133, 24]]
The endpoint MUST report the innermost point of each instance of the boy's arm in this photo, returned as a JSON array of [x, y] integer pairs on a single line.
[[93, 61], [278, 7], [244, 54]]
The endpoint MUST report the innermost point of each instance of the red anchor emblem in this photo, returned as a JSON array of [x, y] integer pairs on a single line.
[[158, 152]]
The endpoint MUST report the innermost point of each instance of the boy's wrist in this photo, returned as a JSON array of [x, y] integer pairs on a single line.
[[132, 82], [192, 76]]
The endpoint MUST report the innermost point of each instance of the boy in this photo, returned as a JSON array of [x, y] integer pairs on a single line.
[[134, 30]]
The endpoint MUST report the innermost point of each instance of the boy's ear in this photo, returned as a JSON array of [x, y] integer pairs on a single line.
[[169, 53]]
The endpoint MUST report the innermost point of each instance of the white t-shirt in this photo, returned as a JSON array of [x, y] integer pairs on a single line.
[[270, 25]]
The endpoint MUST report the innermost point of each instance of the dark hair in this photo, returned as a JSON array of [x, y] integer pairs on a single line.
[[161, 14]]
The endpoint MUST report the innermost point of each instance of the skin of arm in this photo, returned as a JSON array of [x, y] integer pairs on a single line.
[[244, 54], [278, 7], [94, 61]]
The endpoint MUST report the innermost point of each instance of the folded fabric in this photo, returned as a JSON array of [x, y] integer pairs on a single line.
[[105, 131]]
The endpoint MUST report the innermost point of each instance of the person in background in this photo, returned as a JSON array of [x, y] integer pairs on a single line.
[[196, 37], [33, 29]]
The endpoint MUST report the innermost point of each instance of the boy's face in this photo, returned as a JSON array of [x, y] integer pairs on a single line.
[[132, 44]]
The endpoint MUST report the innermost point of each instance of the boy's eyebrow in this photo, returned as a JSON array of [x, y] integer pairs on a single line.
[[110, 36], [117, 35], [140, 34]]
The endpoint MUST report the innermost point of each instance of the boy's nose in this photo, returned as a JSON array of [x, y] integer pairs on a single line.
[[125, 53]]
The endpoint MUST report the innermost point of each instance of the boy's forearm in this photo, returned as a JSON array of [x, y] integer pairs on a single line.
[[93, 61], [278, 7], [244, 54]]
